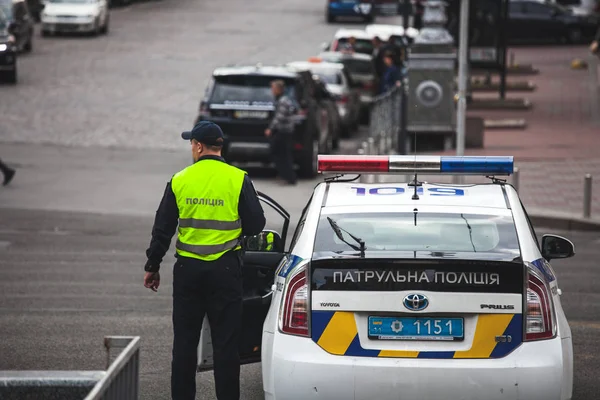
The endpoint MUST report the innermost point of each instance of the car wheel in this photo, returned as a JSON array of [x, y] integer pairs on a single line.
[[106, 24], [310, 161], [574, 35], [330, 18], [45, 33], [11, 76], [369, 19], [29, 45]]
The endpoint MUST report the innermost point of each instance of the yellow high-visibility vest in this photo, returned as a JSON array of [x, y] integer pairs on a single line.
[[207, 195]]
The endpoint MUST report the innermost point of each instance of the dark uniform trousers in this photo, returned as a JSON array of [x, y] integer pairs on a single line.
[[212, 288]]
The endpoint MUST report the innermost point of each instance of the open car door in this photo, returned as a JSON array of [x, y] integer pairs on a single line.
[[263, 254]]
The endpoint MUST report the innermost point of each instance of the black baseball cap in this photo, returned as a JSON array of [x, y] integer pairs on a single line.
[[205, 132]]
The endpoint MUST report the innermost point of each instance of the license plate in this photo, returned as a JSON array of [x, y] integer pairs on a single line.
[[251, 114], [415, 328]]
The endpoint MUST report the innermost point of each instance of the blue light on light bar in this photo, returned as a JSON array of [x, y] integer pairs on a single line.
[[477, 165]]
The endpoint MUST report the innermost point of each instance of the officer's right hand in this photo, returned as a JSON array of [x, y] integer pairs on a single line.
[[152, 280]]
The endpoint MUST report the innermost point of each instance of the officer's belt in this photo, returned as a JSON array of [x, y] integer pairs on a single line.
[[209, 224], [208, 248]]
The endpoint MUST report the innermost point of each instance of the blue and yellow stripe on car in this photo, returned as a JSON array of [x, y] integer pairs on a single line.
[[336, 333]]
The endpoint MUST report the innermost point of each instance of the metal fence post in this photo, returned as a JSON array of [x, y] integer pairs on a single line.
[[587, 196], [515, 179]]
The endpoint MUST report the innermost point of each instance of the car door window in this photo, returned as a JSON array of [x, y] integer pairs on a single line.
[[537, 9]]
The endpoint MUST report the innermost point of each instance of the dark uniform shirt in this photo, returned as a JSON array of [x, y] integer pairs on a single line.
[[167, 219]]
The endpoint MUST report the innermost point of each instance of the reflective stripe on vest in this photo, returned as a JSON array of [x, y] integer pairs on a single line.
[[207, 195]]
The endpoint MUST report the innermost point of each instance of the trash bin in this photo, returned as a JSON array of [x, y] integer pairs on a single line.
[[431, 78]]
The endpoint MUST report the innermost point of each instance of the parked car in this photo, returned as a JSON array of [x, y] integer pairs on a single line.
[[387, 7], [75, 16], [339, 83], [531, 20], [362, 72], [8, 52], [239, 99], [350, 8], [20, 23], [364, 41]]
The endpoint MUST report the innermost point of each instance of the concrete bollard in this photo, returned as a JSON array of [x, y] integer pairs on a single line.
[[587, 196], [515, 179]]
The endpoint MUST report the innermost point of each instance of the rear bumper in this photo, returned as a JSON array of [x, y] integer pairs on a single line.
[[246, 141], [297, 368], [68, 27]]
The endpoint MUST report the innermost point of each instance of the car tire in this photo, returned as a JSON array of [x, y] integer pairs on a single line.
[[106, 25], [29, 45], [11, 76], [45, 33], [308, 164], [574, 35], [330, 18], [369, 19]]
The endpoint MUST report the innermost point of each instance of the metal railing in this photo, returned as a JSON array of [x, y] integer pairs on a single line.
[[385, 121], [119, 381]]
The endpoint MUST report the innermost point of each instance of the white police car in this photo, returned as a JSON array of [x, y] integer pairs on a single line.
[[400, 291]]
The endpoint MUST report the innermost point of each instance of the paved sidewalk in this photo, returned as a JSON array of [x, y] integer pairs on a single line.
[[561, 143]]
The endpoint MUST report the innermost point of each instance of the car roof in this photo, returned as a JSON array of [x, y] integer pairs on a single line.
[[356, 194], [357, 33], [267, 70], [385, 31], [312, 66], [337, 55]]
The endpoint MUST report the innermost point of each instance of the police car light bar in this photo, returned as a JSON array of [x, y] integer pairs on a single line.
[[467, 165]]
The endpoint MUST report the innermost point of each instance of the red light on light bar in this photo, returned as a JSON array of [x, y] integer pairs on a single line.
[[353, 164]]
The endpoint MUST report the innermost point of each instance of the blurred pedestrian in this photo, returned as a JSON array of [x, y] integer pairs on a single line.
[[392, 76], [418, 14], [214, 204], [378, 56], [8, 173], [281, 133]]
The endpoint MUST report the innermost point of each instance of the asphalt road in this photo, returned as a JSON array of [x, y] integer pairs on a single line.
[[75, 222]]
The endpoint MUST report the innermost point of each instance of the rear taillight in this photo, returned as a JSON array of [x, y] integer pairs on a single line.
[[368, 85], [342, 99], [539, 312], [294, 316], [303, 111], [204, 109]]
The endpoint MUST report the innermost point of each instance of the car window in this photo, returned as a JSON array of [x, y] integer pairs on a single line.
[[6, 9], [515, 8], [537, 9], [329, 77], [362, 45], [249, 88], [428, 232], [359, 67], [300, 225]]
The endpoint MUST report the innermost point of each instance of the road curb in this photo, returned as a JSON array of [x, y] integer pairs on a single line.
[[563, 221]]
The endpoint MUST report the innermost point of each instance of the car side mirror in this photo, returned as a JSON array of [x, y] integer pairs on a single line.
[[266, 241], [325, 46], [554, 246]]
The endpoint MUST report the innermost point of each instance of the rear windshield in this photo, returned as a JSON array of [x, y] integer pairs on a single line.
[[361, 46], [429, 232], [250, 88], [359, 67], [329, 77]]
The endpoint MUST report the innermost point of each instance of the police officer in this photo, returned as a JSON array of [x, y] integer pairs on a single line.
[[214, 204], [281, 133]]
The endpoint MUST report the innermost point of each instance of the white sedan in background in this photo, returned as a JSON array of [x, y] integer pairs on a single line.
[[75, 16]]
